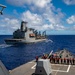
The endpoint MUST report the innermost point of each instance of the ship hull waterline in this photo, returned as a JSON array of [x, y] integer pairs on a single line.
[[22, 41]]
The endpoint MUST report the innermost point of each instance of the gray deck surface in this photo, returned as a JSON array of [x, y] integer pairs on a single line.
[[57, 69]]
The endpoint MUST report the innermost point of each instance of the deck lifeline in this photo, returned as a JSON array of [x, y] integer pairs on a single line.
[[57, 69]]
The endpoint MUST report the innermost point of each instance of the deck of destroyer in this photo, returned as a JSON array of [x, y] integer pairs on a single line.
[[57, 69], [29, 68]]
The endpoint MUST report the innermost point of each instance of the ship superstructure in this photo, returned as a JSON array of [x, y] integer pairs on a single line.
[[47, 66], [26, 35]]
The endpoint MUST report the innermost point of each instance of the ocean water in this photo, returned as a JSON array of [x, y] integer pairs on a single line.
[[14, 56]]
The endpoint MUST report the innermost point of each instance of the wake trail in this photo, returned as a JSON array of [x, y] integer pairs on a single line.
[[49, 40], [4, 45]]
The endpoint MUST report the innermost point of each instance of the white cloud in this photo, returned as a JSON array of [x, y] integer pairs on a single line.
[[38, 3], [41, 3], [9, 25], [12, 23], [54, 16], [71, 20], [69, 2], [47, 27], [49, 18], [32, 18], [59, 27], [50, 13], [53, 27], [39, 21]]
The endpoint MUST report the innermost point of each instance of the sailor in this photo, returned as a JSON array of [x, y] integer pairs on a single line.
[[52, 56], [70, 61], [73, 60], [57, 60], [67, 61], [50, 59], [36, 58], [61, 60], [60, 56], [64, 60], [43, 56], [53, 60], [46, 55]]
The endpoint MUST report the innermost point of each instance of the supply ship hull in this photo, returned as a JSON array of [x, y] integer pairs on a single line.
[[26, 35], [22, 41]]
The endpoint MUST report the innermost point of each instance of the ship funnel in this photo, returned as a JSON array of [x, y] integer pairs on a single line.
[[23, 26]]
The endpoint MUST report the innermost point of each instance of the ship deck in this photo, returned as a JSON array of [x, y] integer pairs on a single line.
[[57, 69]]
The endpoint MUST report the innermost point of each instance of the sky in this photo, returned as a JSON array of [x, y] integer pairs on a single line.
[[57, 17]]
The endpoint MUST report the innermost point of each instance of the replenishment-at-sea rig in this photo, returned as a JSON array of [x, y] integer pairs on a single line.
[[26, 35]]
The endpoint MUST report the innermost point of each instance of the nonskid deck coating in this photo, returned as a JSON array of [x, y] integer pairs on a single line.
[[57, 69]]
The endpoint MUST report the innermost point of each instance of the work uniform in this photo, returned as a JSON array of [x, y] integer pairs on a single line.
[[64, 60], [36, 58], [70, 61], [67, 61], [57, 60], [61, 60], [73, 61]]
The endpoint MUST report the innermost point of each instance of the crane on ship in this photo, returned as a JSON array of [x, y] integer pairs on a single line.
[[2, 6]]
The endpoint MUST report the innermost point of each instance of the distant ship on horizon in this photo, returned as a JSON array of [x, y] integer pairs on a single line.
[[26, 35]]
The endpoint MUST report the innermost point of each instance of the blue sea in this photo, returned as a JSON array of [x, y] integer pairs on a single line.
[[14, 56]]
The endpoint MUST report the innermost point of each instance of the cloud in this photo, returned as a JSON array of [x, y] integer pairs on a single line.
[[44, 17], [12, 23], [50, 13], [48, 27], [69, 2], [38, 3], [53, 27], [71, 20], [9, 25], [50, 18], [32, 18], [40, 21]]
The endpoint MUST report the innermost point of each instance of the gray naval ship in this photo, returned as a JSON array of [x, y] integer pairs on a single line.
[[26, 35], [46, 65]]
